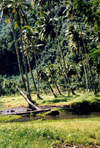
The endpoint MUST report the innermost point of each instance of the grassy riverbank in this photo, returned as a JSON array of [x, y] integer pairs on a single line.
[[48, 133], [15, 100]]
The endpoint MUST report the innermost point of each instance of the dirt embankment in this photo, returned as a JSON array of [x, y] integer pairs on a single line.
[[84, 107]]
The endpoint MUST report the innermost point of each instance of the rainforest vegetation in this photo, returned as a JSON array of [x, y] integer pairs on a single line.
[[49, 45], [50, 49]]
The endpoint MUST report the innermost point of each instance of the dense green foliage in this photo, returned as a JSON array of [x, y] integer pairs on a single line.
[[61, 39]]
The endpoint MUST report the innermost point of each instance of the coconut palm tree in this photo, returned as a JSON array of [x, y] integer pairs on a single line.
[[92, 17], [6, 11], [47, 29], [78, 8], [30, 37], [45, 78], [45, 26], [42, 3], [33, 39], [75, 43], [52, 73], [21, 19], [15, 10]]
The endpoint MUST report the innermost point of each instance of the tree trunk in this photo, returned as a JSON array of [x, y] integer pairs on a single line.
[[29, 102], [58, 88], [61, 51], [65, 79], [25, 66], [92, 77], [36, 72], [24, 61], [86, 79], [51, 89], [53, 78], [37, 92], [18, 57]]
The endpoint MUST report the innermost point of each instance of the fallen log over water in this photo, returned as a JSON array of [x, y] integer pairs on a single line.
[[34, 112], [21, 111], [29, 102]]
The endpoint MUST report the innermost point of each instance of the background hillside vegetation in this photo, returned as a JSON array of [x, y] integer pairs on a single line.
[[49, 46]]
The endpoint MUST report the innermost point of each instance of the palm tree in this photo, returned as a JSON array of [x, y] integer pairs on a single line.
[[20, 18], [94, 21], [78, 8], [45, 26], [52, 73], [42, 3], [75, 43], [47, 29], [30, 37], [45, 78], [7, 13], [13, 9]]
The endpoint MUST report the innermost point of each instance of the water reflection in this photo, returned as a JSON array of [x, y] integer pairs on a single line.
[[72, 115], [62, 115]]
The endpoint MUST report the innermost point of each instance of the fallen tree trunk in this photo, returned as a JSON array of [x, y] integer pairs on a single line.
[[22, 111], [34, 107], [34, 112]]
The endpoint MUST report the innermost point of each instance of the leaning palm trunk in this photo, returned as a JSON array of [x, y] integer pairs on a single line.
[[25, 67], [92, 77], [86, 79], [54, 79], [37, 92], [37, 72], [51, 89], [65, 69], [77, 78], [62, 71], [85, 73], [24, 61], [58, 88], [18, 57]]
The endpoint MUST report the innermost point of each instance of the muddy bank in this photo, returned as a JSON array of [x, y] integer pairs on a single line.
[[22, 110], [26, 110], [84, 107]]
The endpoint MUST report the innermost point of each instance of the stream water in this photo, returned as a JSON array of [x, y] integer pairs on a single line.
[[62, 115]]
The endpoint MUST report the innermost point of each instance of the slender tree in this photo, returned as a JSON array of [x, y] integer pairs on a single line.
[[7, 12], [45, 78], [14, 9], [75, 43], [42, 3], [46, 27], [30, 38]]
